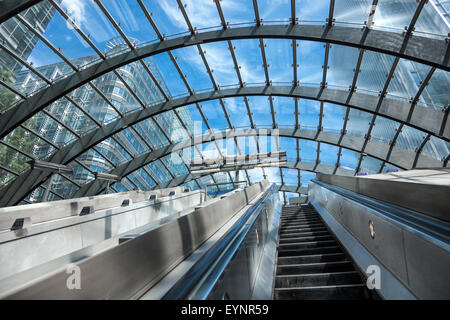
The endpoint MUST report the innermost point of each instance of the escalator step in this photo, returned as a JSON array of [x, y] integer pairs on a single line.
[[338, 292], [304, 234], [320, 279], [308, 268], [309, 251], [314, 258], [305, 239], [305, 245], [311, 264]]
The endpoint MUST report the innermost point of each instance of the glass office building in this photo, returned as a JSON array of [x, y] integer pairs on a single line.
[[141, 88]]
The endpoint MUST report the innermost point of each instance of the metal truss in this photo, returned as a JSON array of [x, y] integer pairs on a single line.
[[424, 50], [401, 158]]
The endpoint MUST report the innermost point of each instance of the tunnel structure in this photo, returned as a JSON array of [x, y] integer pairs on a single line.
[[183, 149]]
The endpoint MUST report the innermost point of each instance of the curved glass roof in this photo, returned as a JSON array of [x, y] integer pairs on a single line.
[[141, 88]]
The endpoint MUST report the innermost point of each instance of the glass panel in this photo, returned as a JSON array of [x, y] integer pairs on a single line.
[[352, 11], [29, 143], [310, 58], [138, 79], [374, 70], [131, 19], [328, 154], [279, 60], [13, 160], [261, 113], [384, 129], [166, 15], [305, 177], [209, 150], [88, 99], [175, 164], [94, 161], [390, 168], [238, 11], [251, 65], [308, 150], [370, 165], [394, 14], [409, 138], [191, 185], [349, 159], [71, 116], [279, 11], [131, 141], [172, 126], [436, 94], [119, 187], [138, 180], [62, 186], [342, 62], [290, 176], [5, 177], [407, 79], [115, 91], [333, 117], [436, 148], [151, 133], [214, 114], [8, 99], [311, 10], [430, 21], [50, 129], [80, 174], [89, 18], [238, 112], [113, 151], [309, 111], [169, 76], [273, 175], [158, 171], [358, 122], [255, 175], [192, 66], [220, 62], [290, 146], [284, 108]]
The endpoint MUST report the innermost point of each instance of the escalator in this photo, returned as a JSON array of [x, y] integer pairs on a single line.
[[311, 263]]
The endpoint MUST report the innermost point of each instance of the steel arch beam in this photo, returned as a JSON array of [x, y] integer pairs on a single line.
[[428, 51], [393, 109], [427, 120], [402, 158]]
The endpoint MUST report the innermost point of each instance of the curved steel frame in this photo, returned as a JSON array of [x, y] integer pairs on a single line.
[[429, 51], [401, 158], [396, 110]]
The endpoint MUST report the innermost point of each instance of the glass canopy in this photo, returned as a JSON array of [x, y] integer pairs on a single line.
[[141, 88]]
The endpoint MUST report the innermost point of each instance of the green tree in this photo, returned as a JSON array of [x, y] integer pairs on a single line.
[[19, 138]]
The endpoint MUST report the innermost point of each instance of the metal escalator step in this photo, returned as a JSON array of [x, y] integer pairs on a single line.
[[313, 258], [304, 245], [309, 229], [321, 267], [302, 225], [303, 234], [305, 239], [318, 279], [338, 292], [300, 220], [309, 251]]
